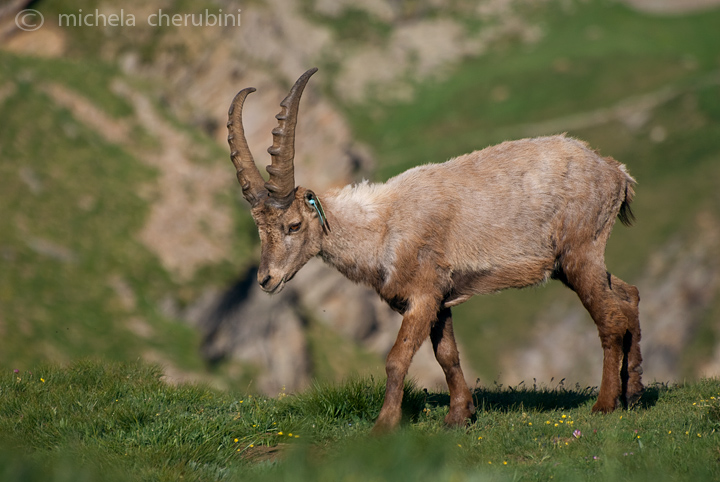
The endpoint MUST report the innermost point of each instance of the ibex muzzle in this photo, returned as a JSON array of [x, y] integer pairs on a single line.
[[508, 216]]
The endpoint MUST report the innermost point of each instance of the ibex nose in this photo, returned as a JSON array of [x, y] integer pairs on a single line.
[[265, 281], [270, 280]]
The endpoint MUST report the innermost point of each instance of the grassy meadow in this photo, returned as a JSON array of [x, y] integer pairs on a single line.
[[107, 421]]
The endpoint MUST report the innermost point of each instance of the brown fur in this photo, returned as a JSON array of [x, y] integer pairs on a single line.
[[508, 216]]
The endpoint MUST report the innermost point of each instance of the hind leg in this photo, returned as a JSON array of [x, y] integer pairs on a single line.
[[446, 353], [632, 370], [585, 274]]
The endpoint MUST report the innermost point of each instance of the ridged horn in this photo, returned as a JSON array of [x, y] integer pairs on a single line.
[[248, 175], [281, 185]]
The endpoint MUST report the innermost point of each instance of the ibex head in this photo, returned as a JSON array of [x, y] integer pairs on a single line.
[[290, 219]]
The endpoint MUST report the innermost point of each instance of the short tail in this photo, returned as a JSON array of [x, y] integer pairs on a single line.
[[626, 215]]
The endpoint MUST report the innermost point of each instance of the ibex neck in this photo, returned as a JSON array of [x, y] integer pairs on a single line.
[[357, 218]]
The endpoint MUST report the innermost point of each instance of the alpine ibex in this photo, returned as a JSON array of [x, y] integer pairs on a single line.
[[508, 216]]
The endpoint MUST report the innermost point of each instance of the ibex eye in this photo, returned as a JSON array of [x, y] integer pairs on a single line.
[[294, 228]]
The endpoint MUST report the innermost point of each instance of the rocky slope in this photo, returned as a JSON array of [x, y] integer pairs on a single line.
[[194, 72]]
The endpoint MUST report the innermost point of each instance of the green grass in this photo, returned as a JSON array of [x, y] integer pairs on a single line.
[[99, 421]]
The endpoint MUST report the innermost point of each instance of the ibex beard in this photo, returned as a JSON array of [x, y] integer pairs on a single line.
[[508, 216]]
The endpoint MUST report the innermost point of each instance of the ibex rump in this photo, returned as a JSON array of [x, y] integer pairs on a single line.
[[508, 216]]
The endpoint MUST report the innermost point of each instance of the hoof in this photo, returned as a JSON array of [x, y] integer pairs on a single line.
[[460, 417], [454, 420], [383, 426], [633, 398], [605, 407]]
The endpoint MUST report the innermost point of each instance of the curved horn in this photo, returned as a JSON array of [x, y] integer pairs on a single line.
[[281, 185], [248, 174]]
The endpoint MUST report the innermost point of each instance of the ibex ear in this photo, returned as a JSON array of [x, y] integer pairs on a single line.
[[314, 202]]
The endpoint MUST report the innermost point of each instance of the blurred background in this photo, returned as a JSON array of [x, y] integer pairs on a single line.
[[123, 234]]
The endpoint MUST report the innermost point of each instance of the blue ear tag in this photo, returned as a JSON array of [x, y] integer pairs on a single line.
[[314, 204], [320, 211]]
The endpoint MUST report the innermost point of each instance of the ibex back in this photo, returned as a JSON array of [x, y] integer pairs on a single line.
[[508, 216]]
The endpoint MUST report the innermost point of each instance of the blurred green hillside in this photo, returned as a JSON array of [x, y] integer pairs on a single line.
[[76, 279]]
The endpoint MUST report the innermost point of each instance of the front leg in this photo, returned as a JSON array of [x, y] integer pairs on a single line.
[[415, 328]]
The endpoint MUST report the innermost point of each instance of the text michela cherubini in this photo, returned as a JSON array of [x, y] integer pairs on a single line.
[[122, 18]]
